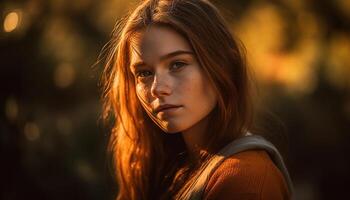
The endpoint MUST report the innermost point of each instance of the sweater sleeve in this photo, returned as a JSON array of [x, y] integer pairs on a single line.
[[249, 175]]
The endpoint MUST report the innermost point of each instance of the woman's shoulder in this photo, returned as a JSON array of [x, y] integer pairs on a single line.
[[247, 175]]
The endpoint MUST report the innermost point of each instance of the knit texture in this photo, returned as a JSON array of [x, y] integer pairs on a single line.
[[247, 175]]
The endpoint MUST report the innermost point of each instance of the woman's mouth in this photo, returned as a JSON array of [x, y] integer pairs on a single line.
[[166, 108]]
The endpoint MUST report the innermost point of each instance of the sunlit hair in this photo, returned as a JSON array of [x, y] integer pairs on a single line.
[[148, 162]]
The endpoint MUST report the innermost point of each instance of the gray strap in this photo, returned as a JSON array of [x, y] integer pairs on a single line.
[[248, 142]]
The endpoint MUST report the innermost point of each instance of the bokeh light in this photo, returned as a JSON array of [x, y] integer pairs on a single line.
[[64, 75], [344, 7], [11, 108], [31, 131], [85, 171], [64, 125], [338, 70], [12, 21]]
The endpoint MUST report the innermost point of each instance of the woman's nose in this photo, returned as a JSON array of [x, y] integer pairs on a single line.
[[160, 86]]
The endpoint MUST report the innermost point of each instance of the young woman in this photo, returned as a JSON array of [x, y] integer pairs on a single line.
[[177, 86]]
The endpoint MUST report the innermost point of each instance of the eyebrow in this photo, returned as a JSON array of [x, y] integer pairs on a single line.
[[164, 57]]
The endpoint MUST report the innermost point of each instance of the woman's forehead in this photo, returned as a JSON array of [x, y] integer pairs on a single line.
[[156, 41]]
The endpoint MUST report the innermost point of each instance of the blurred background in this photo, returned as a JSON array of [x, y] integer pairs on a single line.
[[53, 144]]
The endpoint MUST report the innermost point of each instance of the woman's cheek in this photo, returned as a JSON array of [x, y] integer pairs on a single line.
[[143, 93], [185, 83]]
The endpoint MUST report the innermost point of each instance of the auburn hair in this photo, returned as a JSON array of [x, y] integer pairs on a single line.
[[149, 163]]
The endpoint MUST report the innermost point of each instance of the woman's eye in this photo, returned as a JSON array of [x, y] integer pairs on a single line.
[[177, 65], [143, 74]]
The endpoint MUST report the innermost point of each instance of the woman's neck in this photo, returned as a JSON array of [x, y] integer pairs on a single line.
[[195, 139]]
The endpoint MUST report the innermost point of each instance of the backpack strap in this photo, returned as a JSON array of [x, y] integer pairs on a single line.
[[248, 142]]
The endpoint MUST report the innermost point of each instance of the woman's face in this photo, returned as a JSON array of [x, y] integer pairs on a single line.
[[170, 84]]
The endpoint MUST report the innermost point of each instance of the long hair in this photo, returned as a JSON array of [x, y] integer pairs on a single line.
[[148, 162]]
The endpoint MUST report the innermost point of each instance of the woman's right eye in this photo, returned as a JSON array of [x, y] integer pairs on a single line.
[[143, 74]]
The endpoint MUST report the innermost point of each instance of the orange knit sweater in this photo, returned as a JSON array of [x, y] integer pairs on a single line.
[[247, 175]]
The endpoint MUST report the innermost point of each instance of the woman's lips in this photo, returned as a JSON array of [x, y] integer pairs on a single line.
[[166, 114], [166, 108], [170, 109]]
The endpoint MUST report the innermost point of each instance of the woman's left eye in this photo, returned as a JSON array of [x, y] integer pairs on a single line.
[[177, 65]]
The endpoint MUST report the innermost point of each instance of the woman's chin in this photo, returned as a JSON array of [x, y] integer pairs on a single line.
[[171, 128]]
